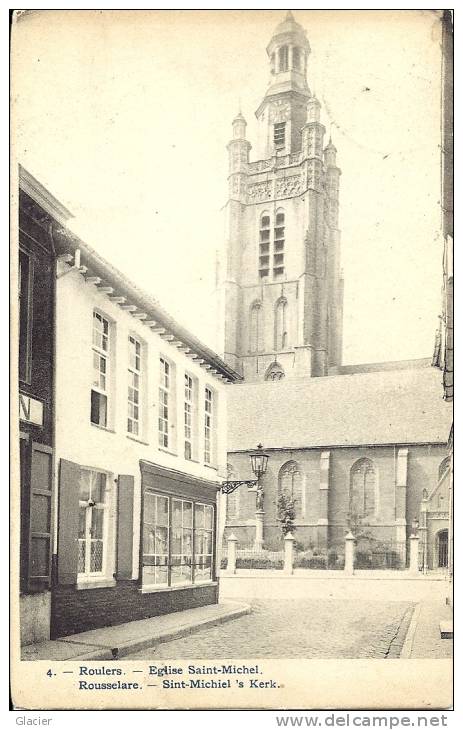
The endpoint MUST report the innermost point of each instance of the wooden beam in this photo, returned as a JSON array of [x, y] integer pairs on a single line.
[[129, 307], [93, 280], [150, 322], [118, 300], [106, 289], [139, 315]]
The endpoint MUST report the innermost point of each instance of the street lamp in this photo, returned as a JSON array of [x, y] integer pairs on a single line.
[[258, 465], [259, 462]]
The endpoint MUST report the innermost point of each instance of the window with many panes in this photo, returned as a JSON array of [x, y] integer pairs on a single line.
[[203, 544], [177, 541], [100, 383], [189, 415], [181, 561], [208, 425], [155, 539], [25, 315], [134, 387], [93, 507], [164, 402]]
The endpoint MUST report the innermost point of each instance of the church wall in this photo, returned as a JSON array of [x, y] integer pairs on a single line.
[[423, 466]]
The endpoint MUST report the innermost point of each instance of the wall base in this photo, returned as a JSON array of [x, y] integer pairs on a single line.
[[74, 611], [34, 610]]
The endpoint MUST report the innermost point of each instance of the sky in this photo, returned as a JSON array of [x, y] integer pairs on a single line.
[[125, 116]]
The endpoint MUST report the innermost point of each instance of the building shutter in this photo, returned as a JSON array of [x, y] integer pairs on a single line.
[[68, 522], [125, 485], [40, 516]]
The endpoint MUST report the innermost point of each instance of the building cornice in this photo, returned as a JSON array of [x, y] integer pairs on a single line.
[[40, 195]]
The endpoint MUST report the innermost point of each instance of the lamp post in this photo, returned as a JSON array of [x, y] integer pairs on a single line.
[[424, 529], [259, 461]]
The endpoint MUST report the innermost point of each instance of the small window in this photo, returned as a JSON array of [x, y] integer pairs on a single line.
[[279, 135], [100, 384], [275, 372]]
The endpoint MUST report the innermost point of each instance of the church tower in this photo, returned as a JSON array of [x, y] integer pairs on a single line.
[[282, 287]]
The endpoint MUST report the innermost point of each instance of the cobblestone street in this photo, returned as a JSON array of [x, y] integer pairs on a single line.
[[302, 629]]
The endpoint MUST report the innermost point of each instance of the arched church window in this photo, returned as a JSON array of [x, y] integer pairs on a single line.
[[362, 494], [272, 63], [281, 326], [279, 244], [255, 327], [290, 483], [296, 58], [264, 245], [275, 372], [444, 465], [283, 58]]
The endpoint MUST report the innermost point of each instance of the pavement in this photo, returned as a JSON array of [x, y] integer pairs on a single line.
[[114, 642], [423, 640], [281, 628], [298, 629]]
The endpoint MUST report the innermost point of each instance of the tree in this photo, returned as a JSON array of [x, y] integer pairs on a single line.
[[286, 513]]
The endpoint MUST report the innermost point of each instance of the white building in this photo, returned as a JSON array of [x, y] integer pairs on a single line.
[[140, 451]]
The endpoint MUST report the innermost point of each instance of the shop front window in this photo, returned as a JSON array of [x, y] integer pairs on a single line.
[[177, 541]]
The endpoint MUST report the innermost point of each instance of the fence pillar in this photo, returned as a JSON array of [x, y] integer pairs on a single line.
[[414, 554], [289, 551], [259, 539], [231, 553], [350, 554]]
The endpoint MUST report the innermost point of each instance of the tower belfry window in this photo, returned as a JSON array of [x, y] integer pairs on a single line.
[[279, 135], [279, 245], [283, 58], [264, 246]]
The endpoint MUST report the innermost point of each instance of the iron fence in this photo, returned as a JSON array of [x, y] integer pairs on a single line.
[[374, 554]]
